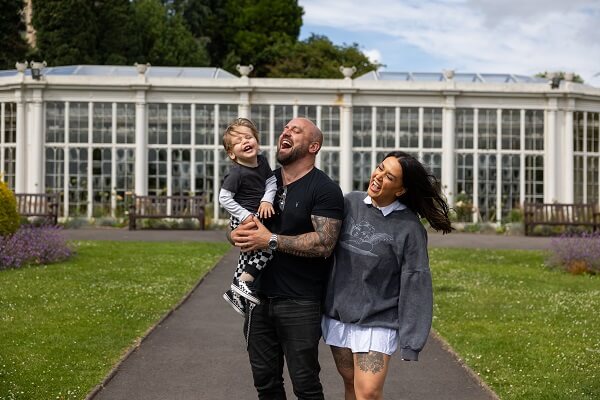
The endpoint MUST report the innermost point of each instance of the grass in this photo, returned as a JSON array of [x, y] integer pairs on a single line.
[[64, 326], [529, 332]]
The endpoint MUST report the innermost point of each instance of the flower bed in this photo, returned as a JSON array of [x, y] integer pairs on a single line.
[[576, 253], [33, 245]]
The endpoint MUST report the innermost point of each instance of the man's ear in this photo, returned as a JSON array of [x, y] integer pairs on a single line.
[[400, 192], [314, 147]]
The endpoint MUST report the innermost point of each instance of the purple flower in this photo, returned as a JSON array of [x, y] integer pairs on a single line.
[[33, 245], [570, 251]]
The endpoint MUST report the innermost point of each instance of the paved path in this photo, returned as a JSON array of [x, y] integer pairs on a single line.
[[469, 240], [198, 351]]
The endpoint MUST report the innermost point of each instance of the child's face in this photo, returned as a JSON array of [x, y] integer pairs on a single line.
[[244, 146]]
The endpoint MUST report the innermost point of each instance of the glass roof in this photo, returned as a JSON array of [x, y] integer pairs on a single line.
[[218, 73], [458, 77], [130, 71]]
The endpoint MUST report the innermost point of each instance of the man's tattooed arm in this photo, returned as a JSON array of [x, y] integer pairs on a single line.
[[319, 243]]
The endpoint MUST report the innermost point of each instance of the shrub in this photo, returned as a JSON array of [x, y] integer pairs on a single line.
[[576, 253], [9, 218], [463, 208], [33, 245]]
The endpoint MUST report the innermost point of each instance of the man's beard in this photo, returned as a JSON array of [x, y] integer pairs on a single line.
[[294, 155]]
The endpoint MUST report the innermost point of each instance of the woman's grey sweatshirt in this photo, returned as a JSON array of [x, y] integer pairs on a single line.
[[381, 274]]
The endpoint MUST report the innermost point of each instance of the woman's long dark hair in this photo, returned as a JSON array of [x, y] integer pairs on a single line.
[[423, 192]]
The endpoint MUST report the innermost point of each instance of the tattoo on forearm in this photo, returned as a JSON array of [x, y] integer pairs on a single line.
[[319, 243], [343, 358], [370, 362]]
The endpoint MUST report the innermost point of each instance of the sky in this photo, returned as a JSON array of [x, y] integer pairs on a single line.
[[485, 36]]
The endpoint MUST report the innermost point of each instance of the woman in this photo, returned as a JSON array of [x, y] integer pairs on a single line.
[[379, 295]]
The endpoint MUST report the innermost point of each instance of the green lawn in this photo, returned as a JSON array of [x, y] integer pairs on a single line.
[[531, 333], [64, 326]]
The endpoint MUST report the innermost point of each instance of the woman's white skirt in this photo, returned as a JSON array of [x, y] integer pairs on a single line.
[[359, 339]]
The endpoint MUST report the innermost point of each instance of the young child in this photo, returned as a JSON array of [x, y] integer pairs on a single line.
[[248, 189]]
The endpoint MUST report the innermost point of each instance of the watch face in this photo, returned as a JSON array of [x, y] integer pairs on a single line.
[[273, 244]]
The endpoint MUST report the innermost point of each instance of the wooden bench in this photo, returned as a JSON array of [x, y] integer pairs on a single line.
[[560, 214], [166, 207], [44, 205]]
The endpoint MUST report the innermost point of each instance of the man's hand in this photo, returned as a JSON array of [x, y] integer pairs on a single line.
[[266, 210], [251, 235]]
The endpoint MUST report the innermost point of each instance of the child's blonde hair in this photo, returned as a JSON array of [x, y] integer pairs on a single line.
[[227, 144]]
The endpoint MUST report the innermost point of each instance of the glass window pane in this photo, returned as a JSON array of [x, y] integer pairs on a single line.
[[409, 128], [534, 130], [78, 122], [330, 125], [157, 123], [55, 122], [101, 181], [534, 178], [181, 124], [330, 164], [487, 125], [260, 115], [361, 126], [10, 123], [432, 128], [511, 129], [125, 123], [487, 186], [102, 122], [464, 128], [78, 175], [361, 171], [592, 132], [205, 124], [511, 178], [385, 128], [181, 173]]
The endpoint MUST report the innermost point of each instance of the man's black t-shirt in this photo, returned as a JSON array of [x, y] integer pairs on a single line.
[[294, 276], [248, 183]]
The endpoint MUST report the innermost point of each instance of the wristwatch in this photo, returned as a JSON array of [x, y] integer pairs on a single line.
[[273, 243]]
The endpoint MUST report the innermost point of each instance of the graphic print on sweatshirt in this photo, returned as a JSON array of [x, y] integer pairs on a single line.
[[361, 237]]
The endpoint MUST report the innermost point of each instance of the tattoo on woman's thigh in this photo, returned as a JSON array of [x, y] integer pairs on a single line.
[[343, 358], [370, 362]]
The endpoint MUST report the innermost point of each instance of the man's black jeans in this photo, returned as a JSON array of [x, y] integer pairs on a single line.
[[285, 328]]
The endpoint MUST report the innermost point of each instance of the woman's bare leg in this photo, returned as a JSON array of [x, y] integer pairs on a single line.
[[344, 361], [370, 370]]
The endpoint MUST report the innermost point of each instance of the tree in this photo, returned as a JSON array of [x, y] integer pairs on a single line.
[[163, 38], [14, 48], [561, 76], [260, 29], [115, 40], [318, 57], [242, 31], [66, 31]]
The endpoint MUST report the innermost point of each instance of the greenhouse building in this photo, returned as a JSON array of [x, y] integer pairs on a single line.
[[98, 134]]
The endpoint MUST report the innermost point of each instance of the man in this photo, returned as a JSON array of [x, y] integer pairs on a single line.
[[287, 322]]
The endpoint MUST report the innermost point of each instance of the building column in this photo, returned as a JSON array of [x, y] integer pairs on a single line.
[[346, 144], [21, 150], [244, 106], [567, 186], [550, 149], [498, 166], [35, 145], [448, 153], [141, 145]]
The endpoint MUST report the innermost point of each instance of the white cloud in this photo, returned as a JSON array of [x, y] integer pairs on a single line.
[[516, 36], [374, 55]]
